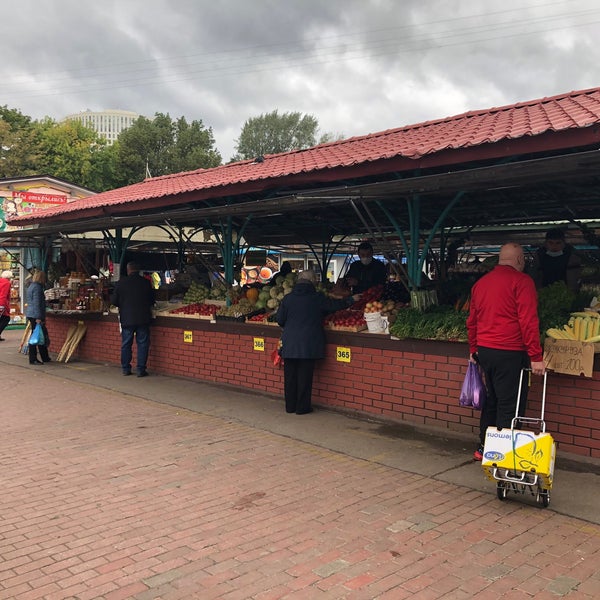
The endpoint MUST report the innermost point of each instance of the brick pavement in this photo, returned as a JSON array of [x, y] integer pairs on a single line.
[[107, 495]]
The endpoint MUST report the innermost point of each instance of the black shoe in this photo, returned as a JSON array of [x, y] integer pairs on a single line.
[[36, 362], [46, 360], [126, 373], [304, 412], [143, 374]]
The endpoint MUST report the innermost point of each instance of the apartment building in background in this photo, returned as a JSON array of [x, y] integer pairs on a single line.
[[107, 123]]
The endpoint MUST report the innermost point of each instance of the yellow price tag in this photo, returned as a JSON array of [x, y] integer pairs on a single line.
[[343, 354], [188, 337], [259, 344]]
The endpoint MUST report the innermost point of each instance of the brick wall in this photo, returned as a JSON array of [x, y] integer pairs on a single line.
[[414, 381]]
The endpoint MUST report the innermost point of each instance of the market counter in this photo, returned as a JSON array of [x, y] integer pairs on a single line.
[[417, 381]]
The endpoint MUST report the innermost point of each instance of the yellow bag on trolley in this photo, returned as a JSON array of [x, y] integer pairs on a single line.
[[520, 455], [519, 451]]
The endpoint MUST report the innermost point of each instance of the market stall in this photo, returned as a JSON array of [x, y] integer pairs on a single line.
[[413, 198]]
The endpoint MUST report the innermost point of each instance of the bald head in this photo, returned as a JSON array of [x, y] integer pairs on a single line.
[[511, 254]]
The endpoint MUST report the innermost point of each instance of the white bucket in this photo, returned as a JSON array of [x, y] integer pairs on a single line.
[[376, 323]]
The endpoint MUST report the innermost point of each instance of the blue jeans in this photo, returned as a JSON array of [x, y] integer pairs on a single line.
[[142, 339]]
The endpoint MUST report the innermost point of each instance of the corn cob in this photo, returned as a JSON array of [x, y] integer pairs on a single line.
[[577, 328], [556, 334]]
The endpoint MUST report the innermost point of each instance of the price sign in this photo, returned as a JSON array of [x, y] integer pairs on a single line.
[[343, 354], [259, 344], [188, 337]]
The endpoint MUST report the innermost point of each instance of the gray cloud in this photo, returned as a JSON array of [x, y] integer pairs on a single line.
[[359, 66]]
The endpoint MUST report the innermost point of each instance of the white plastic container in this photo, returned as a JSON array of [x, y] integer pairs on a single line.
[[376, 323]]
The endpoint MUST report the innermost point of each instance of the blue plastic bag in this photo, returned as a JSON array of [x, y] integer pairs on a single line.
[[473, 392], [37, 336]]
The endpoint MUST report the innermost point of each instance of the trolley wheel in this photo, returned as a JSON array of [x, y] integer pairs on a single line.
[[501, 490], [544, 498]]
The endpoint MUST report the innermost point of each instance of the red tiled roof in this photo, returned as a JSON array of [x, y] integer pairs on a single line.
[[571, 111]]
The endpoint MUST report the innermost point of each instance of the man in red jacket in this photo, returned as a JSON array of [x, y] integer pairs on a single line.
[[504, 337]]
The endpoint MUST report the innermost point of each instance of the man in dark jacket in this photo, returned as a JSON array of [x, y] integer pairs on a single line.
[[365, 272], [301, 315], [556, 261], [134, 296]]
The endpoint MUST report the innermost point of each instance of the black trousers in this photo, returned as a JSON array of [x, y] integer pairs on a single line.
[[4, 321], [34, 348], [298, 378], [502, 369]]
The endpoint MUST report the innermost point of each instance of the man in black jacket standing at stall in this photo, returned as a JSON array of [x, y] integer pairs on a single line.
[[365, 272], [134, 296]]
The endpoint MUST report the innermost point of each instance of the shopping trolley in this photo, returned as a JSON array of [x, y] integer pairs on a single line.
[[521, 460]]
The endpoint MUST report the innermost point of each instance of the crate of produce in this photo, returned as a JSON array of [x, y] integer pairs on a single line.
[[345, 320], [192, 311], [230, 318]]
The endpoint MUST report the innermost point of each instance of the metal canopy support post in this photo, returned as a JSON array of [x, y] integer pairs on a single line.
[[323, 259], [414, 258], [231, 250], [117, 245]]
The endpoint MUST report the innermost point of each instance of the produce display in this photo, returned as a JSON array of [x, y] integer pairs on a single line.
[[435, 323], [197, 293], [196, 309], [262, 318], [345, 320], [388, 299], [238, 310], [582, 326], [270, 296]]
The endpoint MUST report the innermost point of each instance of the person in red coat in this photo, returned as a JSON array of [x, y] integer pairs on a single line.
[[504, 337], [5, 278]]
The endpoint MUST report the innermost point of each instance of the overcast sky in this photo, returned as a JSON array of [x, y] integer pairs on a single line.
[[358, 66]]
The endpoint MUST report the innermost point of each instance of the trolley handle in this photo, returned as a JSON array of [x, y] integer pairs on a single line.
[[521, 387]]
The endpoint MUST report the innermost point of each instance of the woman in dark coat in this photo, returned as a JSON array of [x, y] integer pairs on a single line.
[[36, 313], [301, 315]]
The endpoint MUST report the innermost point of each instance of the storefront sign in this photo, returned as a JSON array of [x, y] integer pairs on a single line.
[[343, 354], [188, 337], [259, 344]]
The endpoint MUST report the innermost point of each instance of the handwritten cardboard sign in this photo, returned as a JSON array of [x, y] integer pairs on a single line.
[[569, 357]]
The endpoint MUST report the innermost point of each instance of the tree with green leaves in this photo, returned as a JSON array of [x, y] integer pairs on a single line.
[[19, 152], [272, 133], [74, 152], [161, 146]]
